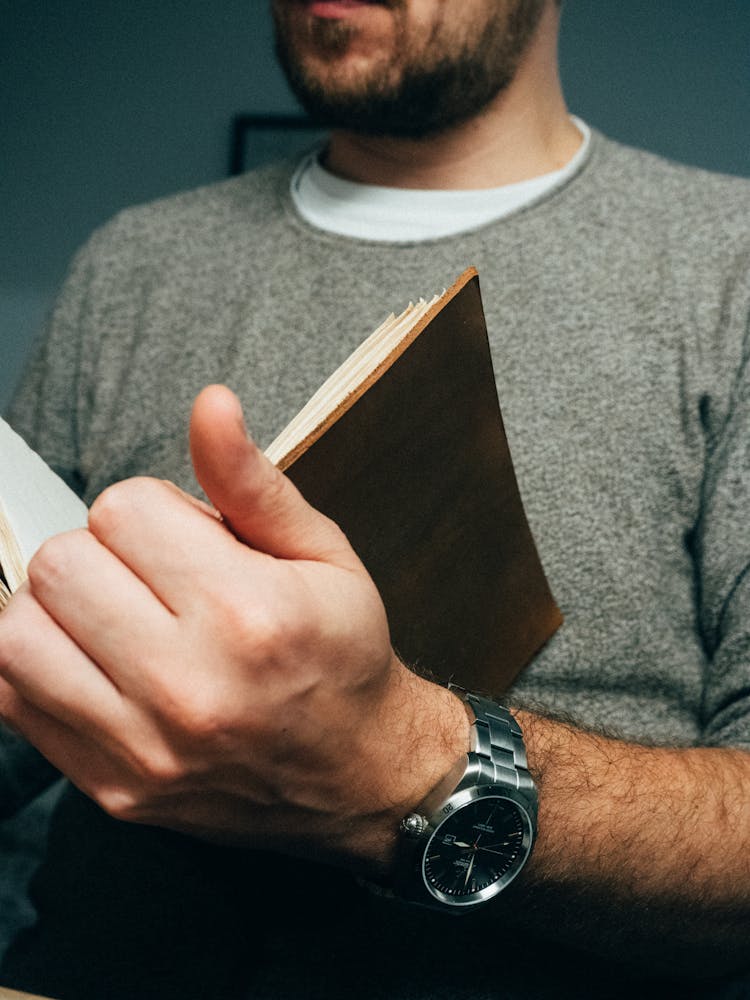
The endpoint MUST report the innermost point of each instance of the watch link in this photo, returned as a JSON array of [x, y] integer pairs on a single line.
[[474, 832]]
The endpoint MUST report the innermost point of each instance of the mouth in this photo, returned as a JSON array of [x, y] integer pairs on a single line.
[[339, 8]]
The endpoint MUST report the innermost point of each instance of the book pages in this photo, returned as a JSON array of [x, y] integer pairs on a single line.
[[348, 377], [35, 504]]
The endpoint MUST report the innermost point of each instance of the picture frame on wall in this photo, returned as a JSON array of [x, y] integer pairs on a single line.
[[257, 139]]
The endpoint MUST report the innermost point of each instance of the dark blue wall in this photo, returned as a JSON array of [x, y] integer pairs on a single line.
[[106, 104]]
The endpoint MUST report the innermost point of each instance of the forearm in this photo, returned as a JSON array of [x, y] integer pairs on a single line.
[[262, 705], [642, 852]]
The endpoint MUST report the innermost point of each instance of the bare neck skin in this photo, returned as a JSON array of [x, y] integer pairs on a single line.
[[525, 132]]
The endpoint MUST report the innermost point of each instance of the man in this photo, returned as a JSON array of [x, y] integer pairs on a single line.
[[241, 689]]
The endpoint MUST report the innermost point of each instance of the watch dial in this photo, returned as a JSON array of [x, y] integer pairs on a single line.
[[474, 847]]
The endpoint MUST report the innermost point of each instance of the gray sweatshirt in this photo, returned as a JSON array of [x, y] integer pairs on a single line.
[[617, 307]]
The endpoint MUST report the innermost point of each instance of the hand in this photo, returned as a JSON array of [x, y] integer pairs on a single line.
[[231, 677]]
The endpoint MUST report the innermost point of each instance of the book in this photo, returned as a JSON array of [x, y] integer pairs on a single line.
[[404, 447]]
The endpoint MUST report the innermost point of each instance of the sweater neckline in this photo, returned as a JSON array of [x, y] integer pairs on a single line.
[[338, 208]]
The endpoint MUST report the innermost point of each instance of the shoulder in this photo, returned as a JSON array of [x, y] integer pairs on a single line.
[[645, 192], [216, 214]]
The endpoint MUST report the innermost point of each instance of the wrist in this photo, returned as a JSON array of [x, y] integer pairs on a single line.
[[424, 735], [473, 834]]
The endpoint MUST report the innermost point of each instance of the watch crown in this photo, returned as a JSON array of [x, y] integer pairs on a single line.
[[413, 825]]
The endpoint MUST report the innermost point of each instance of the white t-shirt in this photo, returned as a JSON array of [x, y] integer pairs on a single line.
[[372, 212]]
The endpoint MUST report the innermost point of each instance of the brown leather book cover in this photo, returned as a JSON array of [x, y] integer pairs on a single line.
[[415, 468]]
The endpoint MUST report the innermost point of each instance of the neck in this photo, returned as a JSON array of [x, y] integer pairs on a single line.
[[525, 132]]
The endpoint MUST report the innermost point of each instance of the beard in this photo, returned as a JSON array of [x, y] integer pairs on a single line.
[[421, 87]]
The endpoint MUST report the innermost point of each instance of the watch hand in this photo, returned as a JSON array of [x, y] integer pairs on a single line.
[[503, 843], [468, 870]]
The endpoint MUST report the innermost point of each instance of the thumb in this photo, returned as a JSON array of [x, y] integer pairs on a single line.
[[261, 505]]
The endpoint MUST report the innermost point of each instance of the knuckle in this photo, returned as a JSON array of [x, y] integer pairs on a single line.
[[108, 506], [119, 502], [254, 632], [55, 559], [191, 714], [158, 771], [119, 803], [12, 638], [11, 710], [264, 634], [19, 626], [148, 771]]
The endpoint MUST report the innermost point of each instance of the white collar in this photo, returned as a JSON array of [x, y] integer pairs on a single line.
[[371, 212]]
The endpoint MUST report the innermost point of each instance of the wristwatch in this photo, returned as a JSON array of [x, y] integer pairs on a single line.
[[474, 832]]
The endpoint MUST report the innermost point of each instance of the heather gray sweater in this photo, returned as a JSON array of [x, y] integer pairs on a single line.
[[617, 307]]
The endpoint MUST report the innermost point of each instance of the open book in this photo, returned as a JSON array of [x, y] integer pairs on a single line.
[[404, 447], [34, 505]]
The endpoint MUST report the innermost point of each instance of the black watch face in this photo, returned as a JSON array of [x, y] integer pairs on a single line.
[[476, 850]]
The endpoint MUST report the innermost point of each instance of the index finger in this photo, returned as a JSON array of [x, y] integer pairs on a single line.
[[179, 547]]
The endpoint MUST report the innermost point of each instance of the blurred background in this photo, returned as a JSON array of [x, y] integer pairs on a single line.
[[108, 104]]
